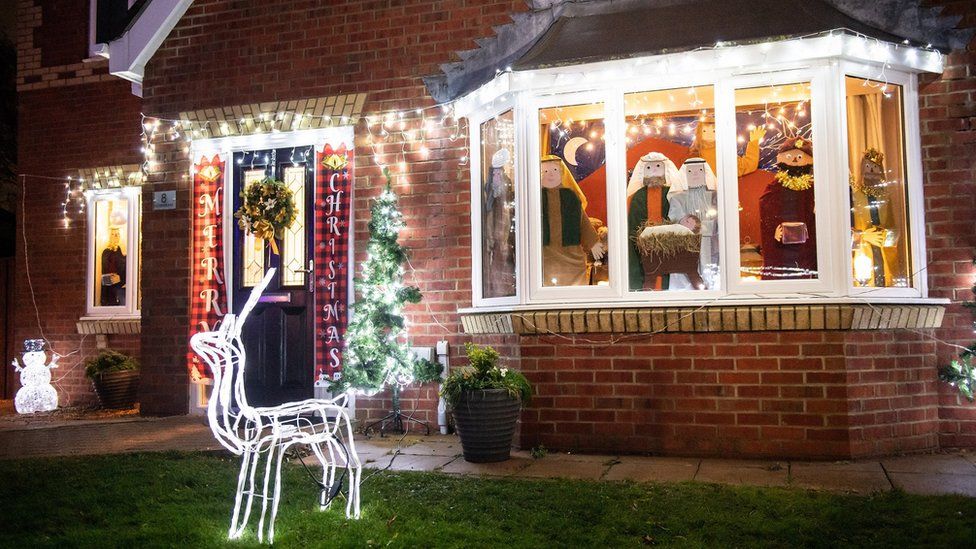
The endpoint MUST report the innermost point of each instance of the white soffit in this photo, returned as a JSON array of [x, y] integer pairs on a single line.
[[129, 54]]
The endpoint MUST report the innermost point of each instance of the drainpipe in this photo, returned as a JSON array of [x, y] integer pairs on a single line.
[[442, 358]]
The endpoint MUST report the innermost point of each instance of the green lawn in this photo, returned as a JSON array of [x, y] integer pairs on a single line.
[[152, 500]]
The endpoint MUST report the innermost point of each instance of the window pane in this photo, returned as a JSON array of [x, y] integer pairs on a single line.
[[672, 211], [777, 231], [253, 248], [293, 239], [111, 246], [573, 174], [875, 136], [498, 206]]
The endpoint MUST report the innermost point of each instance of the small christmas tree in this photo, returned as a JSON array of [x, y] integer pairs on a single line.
[[376, 351]]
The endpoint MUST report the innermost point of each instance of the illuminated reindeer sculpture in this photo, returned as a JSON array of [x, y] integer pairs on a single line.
[[268, 432]]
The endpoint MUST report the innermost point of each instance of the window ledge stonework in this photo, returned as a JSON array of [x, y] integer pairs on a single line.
[[98, 326], [748, 318]]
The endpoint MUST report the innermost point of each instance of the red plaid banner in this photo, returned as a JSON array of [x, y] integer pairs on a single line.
[[208, 292], [333, 229]]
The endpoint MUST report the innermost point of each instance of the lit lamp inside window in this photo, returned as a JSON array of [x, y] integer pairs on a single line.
[[863, 267]]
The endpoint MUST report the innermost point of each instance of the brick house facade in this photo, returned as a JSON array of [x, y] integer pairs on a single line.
[[816, 393]]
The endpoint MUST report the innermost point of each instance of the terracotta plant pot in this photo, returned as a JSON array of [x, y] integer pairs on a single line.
[[485, 422], [117, 389]]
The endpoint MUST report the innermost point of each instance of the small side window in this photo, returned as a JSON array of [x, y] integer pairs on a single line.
[[113, 251]]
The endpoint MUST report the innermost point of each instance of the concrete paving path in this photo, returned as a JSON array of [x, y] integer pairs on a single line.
[[943, 473]]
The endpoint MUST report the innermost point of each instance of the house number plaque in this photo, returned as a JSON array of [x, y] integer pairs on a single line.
[[164, 200]]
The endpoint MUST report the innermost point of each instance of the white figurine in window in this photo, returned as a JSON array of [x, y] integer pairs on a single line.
[[113, 271], [498, 229], [566, 230], [694, 194], [647, 202]]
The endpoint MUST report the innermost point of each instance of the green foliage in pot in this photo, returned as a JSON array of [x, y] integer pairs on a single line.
[[483, 373], [109, 361], [427, 371]]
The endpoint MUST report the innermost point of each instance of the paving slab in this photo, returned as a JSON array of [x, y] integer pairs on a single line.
[[407, 462], [749, 473], [936, 464], [934, 484], [858, 477], [653, 469], [500, 469], [558, 466], [376, 461], [182, 433], [434, 448]]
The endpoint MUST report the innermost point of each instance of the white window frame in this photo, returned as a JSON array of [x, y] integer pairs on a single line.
[[133, 195], [653, 84], [492, 111], [913, 179], [825, 284], [530, 217], [824, 62]]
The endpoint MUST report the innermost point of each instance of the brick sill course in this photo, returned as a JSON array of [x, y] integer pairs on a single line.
[[746, 318], [98, 326]]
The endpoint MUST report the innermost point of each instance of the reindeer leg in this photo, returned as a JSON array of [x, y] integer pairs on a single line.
[[317, 450], [255, 460], [355, 468], [235, 527], [277, 490], [264, 494]]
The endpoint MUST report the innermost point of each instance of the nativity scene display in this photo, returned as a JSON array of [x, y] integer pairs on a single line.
[[673, 214]]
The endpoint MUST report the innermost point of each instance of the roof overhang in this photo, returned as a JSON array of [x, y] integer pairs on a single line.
[[744, 59], [129, 53], [574, 32]]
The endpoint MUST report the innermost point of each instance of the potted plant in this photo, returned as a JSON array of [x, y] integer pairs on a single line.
[[486, 401], [116, 378]]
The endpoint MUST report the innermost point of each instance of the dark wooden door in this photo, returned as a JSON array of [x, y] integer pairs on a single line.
[[279, 333]]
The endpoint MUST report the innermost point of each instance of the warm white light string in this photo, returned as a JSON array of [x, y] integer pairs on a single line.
[[30, 286], [395, 127], [580, 342]]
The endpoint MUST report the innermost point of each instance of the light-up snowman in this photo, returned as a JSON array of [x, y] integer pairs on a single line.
[[36, 393]]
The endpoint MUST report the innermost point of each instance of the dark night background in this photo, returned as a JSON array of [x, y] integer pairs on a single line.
[[8, 126]]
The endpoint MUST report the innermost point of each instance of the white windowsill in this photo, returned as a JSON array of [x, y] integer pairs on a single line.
[[724, 302]]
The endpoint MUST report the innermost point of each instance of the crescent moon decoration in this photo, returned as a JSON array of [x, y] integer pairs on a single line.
[[569, 151]]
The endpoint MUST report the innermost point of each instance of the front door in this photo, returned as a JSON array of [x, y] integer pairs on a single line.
[[279, 334]]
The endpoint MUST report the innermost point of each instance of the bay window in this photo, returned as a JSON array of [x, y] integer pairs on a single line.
[[698, 178]]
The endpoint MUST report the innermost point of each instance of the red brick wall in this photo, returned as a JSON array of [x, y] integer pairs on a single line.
[[817, 394], [61, 130], [948, 118], [824, 394], [222, 54], [63, 34]]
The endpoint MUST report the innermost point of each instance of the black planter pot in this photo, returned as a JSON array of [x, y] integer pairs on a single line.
[[117, 389], [485, 422]]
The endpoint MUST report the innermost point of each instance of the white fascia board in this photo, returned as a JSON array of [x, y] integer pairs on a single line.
[[129, 54], [733, 60]]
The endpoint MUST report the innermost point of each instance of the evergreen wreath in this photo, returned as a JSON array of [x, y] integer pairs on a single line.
[[267, 210]]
